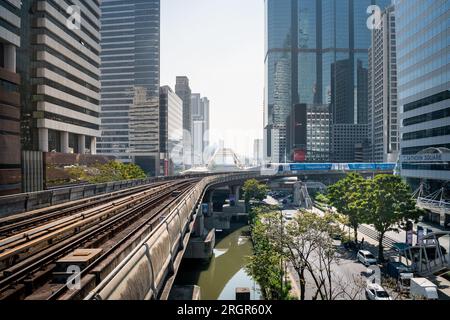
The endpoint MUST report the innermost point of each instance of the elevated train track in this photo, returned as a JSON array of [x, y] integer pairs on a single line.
[[33, 244], [29, 256]]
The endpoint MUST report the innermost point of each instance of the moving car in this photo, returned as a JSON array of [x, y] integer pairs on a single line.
[[288, 216], [423, 289], [366, 258], [376, 292]]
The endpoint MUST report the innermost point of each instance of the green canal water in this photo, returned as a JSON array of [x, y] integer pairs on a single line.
[[219, 278]]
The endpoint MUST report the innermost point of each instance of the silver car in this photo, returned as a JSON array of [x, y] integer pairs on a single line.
[[366, 258]]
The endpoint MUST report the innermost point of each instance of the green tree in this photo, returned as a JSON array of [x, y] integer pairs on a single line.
[[254, 190], [309, 247], [320, 197], [389, 204], [264, 266], [117, 171], [349, 197], [77, 174], [132, 171]]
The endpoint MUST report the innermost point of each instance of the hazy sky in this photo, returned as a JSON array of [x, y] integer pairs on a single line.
[[219, 45]]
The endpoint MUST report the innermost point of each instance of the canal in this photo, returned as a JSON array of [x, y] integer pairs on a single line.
[[219, 278]]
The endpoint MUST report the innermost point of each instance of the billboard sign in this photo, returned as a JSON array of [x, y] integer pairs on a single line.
[[299, 155], [420, 234], [409, 237]]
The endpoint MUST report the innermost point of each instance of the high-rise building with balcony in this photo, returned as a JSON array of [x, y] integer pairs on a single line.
[[383, 95], [59, 62], [316, 54], [130, 79], [10, 155], [423, 44]]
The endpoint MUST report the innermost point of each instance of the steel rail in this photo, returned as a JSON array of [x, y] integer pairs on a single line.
[[27, 220], [23, 241], [39, 259], [61, 291]]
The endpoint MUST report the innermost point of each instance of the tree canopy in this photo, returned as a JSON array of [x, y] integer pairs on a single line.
[[348, 196], [254, 190], [384, 202], [108, 172], [389, 204]]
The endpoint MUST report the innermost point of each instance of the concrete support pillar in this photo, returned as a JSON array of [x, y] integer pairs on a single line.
[[93, 145], [43, 139], [199, 225], [81, 144], [237, 190], [64, 136], [10, 57], [234, 193]]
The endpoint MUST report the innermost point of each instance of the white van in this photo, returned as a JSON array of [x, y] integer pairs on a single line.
[[423, 289]]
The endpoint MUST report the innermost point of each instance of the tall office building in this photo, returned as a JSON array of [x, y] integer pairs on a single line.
[[383, 96], [423, 44], [258, 152], [171, 131], [348, 142], [130, 76], [200, 129], [183, 90], [59, 61], [206, 118], [316, 54], [10, 155]]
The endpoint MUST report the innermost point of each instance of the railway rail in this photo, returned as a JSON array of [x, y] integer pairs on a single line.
[[27, 220], [28, 255]]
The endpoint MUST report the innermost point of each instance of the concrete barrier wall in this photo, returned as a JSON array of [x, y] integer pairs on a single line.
[[13, 204], [134, 281]]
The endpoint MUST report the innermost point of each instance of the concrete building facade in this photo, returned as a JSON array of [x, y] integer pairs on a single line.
[[59, 60], [10, 145]]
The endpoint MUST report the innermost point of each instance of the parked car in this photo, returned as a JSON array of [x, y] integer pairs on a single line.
[[366, 258], [376, 292]]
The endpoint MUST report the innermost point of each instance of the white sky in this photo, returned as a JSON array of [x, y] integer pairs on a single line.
[[219, 45]]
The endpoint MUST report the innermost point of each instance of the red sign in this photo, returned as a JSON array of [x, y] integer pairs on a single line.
[[299, 155]]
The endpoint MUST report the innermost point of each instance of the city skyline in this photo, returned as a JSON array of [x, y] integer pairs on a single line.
[[224, 150], [223, 60]]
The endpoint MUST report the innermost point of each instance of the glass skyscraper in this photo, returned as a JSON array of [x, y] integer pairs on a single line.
[[423, 54], [130, 79], [316, 54]]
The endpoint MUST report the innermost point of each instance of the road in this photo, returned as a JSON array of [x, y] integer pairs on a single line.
[[348, 281], [347, 271]]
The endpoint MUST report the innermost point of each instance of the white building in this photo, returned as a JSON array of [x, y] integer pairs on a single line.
[[383, 98]]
